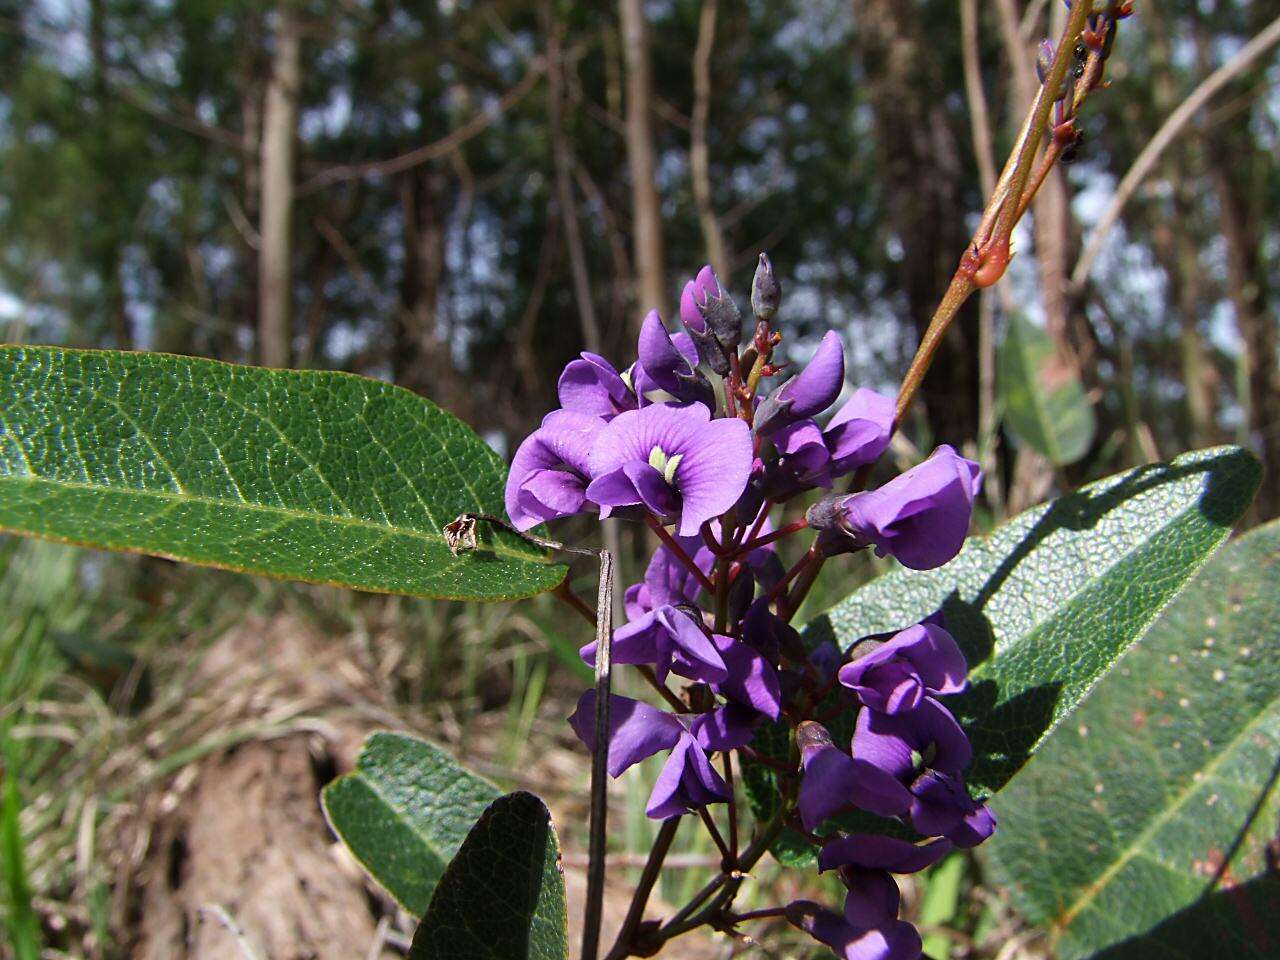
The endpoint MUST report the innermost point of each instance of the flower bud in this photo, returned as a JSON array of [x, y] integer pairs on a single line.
[[766, 291]]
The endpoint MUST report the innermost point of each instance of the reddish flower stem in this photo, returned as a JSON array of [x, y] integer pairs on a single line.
[[768, 538], [673, 545]]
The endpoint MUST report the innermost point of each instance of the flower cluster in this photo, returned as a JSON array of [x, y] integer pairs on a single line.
[[705, 465]]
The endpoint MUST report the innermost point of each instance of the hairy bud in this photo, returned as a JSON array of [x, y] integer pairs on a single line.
[[766, 291]]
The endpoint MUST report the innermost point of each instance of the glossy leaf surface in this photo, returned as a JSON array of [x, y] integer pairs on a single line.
[[404, 812], [316, 476], [503, 896], [1042, 397], [1141, 829]]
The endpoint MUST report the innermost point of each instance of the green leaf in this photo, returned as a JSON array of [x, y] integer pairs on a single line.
[[1044, 402], [316, 476], [1141, 830], [403, 812], [1044, 606], [502, 897]]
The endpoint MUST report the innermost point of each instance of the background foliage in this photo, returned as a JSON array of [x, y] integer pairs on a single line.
[[465, 209]]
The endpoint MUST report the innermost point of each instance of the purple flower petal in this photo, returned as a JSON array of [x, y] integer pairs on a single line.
[[873, 898], [833, 781], [887, 740], [896, 940], [592, 386], [713, 465], [550, 467], [896, 675], [942, 806], [725, 728], [920, 517], [874, 851], [752, 680], [636, 730], [687, 781], [808, 393], [860, 431]]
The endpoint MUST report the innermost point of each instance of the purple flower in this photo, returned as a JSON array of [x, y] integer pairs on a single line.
[[850, 935], [667, 581], [550, 471], [809, 392], [675, 461], [638, 731], [752, 680], [874, 851], [834, 782], [665, 366], [803, 463], [894, 677], [704, 306], [921, 516], [859, 432], [591, 385], [887, 740], [942, 806], [670, 638]]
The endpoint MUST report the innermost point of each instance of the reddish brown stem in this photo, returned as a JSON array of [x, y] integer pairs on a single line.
[[673, 545]]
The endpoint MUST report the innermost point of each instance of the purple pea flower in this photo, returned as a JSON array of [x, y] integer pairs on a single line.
[[702, 297], [942, 806], [887, 740], [869, 928], [860, 431], [834, 782], [874, 851], [896, 676], [592, 385], [550, 471], [670, 638], [920, 517], [667, 581], [804, 462], [665, 366], [752, 680], [675, 461], [638, 731], [808, 393]]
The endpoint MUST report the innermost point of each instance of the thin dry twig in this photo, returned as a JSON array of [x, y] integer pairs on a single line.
[[430, 151]]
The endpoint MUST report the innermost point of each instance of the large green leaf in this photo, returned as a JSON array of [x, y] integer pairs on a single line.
[[316, 476], [502, 897], [1141, 829], [1044, 606], [403, 813], [1043, 400]]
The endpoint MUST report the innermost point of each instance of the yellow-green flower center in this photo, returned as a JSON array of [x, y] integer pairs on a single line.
[[664, 464]]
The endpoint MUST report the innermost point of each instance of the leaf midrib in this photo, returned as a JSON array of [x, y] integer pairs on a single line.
[[1139, 842], [385, 529]]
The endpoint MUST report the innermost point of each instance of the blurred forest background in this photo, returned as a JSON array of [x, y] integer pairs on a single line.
[[458, 197]]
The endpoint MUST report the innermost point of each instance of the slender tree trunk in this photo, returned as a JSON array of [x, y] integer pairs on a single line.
[[564, 184], [1232, 156], [1176, 249], [279, 129], [924, 177], [699, 153], [647, 214]]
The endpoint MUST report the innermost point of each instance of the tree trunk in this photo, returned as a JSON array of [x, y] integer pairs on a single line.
[[920, 155], [699, 152], [647, 213], [279, 128], [1232, 155]]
